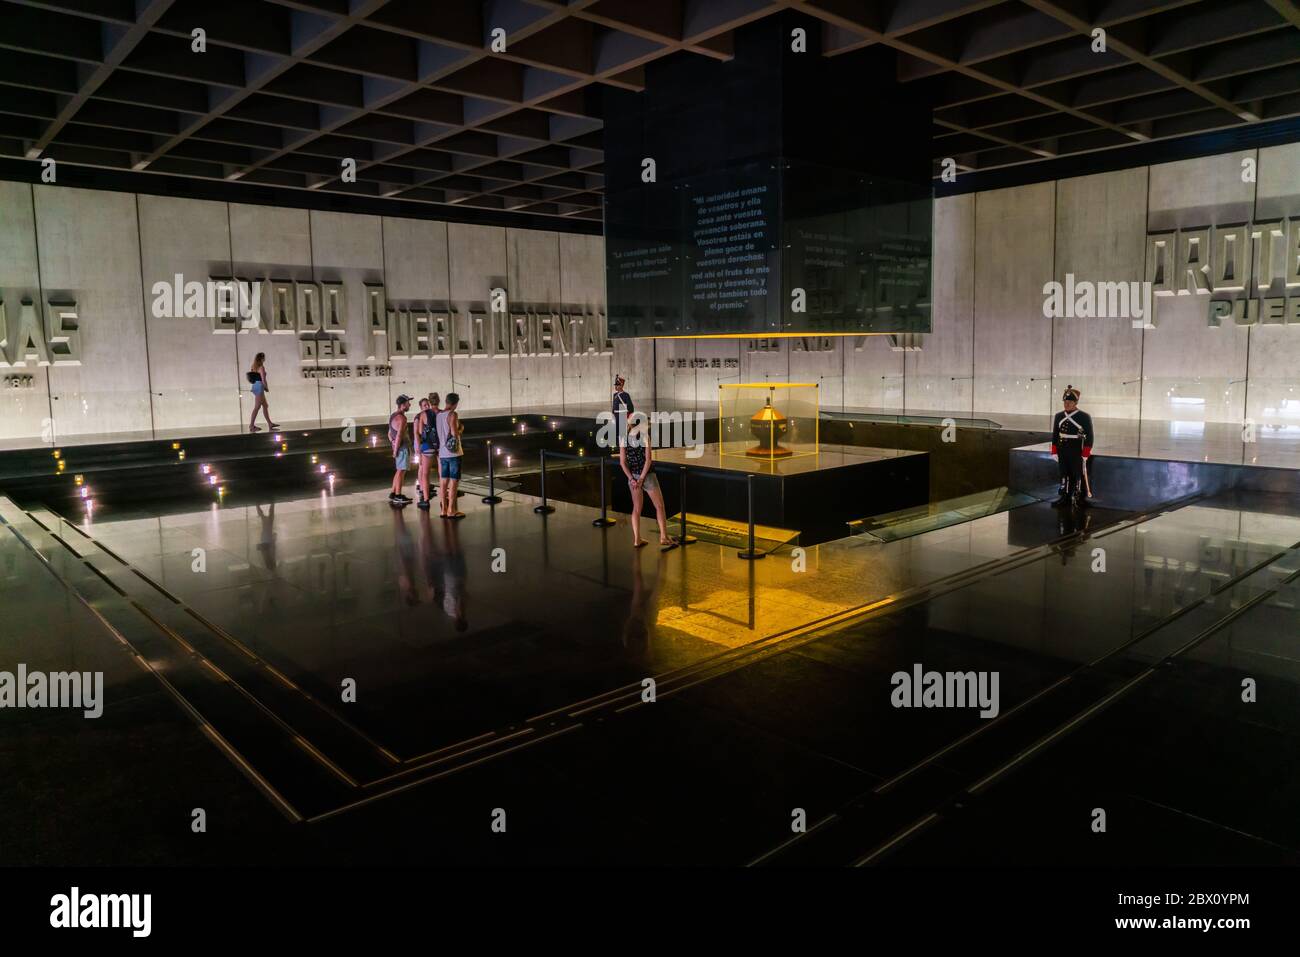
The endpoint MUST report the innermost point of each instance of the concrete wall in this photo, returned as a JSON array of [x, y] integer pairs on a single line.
[[95, 259], [991, 350], [23, 411], [145, 374]]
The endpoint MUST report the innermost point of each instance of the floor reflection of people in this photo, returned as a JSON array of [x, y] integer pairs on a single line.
[[636, 630], [430, 556], [404, 549], [267, 544], [454, 596], [444, 570], [1070, 522]]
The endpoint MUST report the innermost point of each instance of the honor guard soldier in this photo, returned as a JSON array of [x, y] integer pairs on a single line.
[[622, 409], [1072, 440]]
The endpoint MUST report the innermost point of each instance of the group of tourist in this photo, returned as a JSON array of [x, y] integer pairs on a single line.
[[434, 434]]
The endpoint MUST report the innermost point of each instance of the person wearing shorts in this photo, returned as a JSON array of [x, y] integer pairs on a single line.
[[449, 456], [423, 435], [635, 456], [257, 378], [400, 438]]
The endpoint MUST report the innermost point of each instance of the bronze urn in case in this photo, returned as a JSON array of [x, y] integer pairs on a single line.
[[768, 425]]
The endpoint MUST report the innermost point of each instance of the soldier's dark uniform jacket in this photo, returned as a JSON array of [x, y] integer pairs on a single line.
[[1073, 437]]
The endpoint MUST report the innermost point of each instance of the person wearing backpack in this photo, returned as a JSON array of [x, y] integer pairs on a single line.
[[424, 433], [449, 456]]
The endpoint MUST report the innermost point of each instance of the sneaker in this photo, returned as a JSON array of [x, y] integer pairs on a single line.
[[423, 503], [403, 499]]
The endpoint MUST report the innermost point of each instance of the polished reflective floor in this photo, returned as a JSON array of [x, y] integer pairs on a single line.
[[500, 661], [452, 629], [1215, 442]]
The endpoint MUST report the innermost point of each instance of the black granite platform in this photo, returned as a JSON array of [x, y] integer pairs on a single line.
[[815, 495], [507, 680], [520, 687]]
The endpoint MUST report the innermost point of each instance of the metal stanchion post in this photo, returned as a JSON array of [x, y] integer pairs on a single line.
[[544, 509], [604, 521], [751, 553], [683, 538], [492, 498]]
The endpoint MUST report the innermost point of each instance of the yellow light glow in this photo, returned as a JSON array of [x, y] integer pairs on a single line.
[[767, 385], [722, 617], [774, 335]]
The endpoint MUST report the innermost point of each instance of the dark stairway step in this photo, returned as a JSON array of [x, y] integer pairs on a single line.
[[283, 765]]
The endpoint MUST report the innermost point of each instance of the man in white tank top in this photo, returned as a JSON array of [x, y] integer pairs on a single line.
[[449, 456]]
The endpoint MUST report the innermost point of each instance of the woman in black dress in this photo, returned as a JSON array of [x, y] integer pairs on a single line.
[[636, 456]]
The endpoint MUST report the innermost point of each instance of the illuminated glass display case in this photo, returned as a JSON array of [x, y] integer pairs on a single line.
[[768, 421]]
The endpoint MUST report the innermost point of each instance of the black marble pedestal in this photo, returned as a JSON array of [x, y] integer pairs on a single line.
[[814, 495]]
